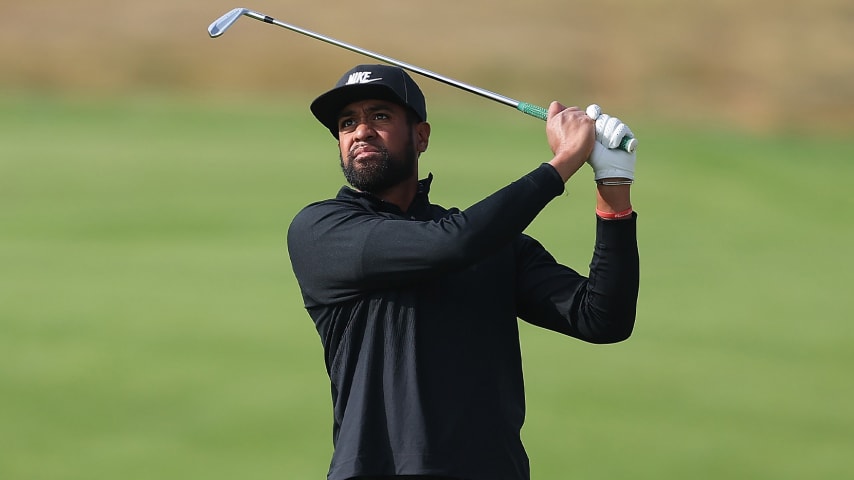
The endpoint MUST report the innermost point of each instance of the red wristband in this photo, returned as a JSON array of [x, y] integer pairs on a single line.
[[614, 216]]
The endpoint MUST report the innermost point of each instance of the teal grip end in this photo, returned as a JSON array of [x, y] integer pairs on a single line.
[[533, 110], [628, 144]]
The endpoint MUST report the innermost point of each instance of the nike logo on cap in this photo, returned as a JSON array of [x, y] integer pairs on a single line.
[[361, 77]]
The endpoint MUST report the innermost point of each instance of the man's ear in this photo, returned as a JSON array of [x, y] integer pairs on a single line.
[[422, 136]]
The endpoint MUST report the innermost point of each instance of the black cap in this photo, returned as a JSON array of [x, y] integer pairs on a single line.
[[363, 82]]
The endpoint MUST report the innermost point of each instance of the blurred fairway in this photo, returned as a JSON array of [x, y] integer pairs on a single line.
[[151, 328]]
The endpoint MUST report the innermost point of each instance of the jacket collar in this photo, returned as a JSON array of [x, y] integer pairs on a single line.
[[419, 209]]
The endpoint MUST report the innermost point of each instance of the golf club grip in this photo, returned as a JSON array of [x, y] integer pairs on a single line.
[[628, 144]]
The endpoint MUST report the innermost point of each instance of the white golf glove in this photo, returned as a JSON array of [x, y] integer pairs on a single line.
[[607, 160]]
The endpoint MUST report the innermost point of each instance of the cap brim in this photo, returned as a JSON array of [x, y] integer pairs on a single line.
[[328, 106]]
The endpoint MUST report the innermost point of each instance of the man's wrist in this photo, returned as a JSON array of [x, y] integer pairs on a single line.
[[613, 196]]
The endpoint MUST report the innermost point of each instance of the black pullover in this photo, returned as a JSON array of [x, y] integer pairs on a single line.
[[417, 312]]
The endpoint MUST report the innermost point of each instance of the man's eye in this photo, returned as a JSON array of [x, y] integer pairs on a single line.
[[346, 123], [381, 116]]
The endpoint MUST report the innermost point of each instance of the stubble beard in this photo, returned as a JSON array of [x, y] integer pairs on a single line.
[[378, 176]]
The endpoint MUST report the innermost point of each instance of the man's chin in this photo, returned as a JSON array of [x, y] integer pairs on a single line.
[[368, 160], [376, 172], [367, 178]]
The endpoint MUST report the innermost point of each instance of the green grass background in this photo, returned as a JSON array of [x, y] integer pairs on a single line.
[[151, 328]]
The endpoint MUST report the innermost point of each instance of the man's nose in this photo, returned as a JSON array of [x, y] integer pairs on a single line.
[[364, 130]]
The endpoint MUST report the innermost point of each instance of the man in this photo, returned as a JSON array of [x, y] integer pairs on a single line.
[[417, 305]]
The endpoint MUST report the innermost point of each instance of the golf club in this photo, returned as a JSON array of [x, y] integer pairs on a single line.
[[222, 24]]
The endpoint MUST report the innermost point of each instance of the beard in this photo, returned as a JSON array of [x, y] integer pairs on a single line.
[[378, 176]]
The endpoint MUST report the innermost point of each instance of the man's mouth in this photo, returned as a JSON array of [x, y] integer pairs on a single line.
[[363, 150]]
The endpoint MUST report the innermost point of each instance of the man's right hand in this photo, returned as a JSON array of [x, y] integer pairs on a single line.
[[571, 135]]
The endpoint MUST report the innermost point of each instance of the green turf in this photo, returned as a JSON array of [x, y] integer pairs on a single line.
[[150, 326]]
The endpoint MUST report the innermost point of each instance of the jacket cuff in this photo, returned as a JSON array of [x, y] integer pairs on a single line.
[[617, 233]]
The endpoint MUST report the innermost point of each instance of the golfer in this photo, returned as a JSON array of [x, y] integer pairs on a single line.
[[417, 305]]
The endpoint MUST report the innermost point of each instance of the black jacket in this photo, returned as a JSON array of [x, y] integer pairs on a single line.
[[417, 312]]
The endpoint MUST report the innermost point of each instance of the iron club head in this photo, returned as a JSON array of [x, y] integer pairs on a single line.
[[220, 25]]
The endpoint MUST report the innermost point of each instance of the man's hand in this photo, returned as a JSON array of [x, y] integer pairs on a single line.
[[571, 135], [613, 168], [607, 160]]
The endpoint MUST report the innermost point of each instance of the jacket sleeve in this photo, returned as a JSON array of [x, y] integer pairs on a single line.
[[600, 308], [339, 250]]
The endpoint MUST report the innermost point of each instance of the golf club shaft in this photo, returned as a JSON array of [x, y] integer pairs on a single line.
[[218, 27]]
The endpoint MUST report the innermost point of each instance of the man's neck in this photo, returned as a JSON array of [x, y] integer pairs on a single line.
[[401, 194]]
